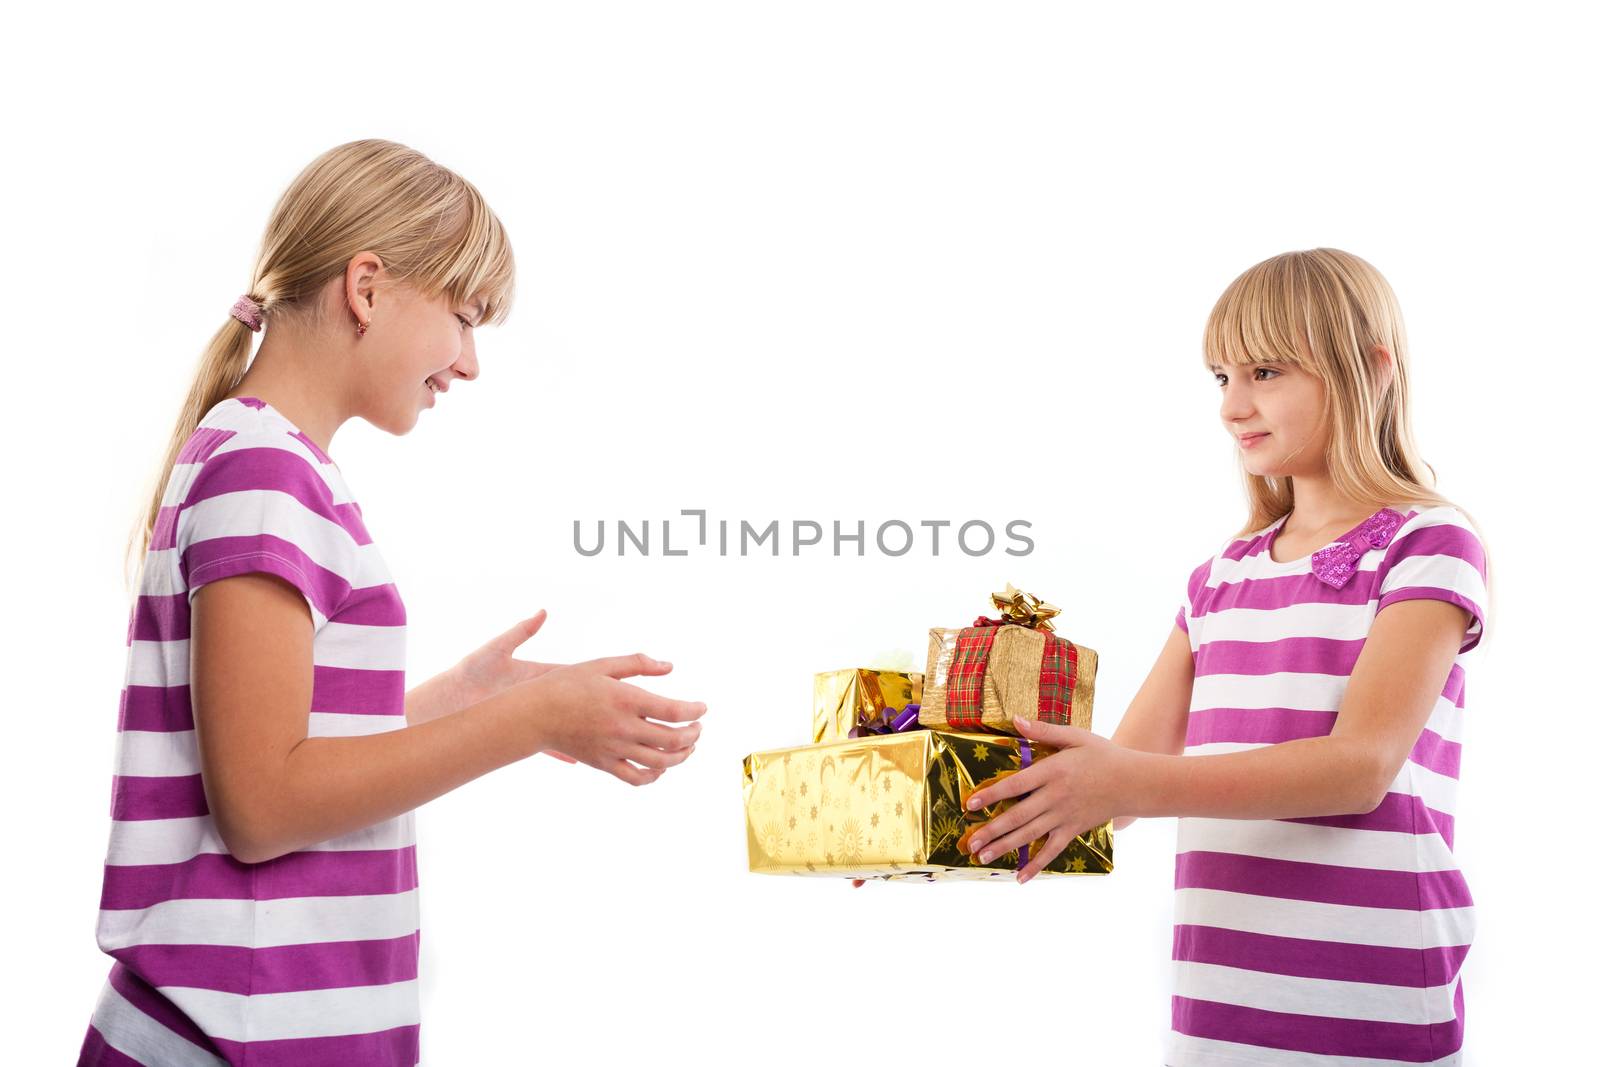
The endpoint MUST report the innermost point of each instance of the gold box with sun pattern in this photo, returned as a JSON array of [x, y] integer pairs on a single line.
[[891, 806]]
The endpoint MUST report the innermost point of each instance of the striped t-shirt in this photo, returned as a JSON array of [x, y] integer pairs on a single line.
[[309, 958], [1336, 939]]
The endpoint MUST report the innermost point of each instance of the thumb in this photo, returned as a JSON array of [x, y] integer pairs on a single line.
[[508, 641], [1050, 733]]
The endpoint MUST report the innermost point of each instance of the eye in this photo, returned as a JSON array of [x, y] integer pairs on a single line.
[[463, 320], [1222, 379]]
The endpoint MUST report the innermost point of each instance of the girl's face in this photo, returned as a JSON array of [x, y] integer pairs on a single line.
[[1273, 412], [419, 339]]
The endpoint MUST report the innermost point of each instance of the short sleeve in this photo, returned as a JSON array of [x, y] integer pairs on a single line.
[[258, 505], [1197, 582], [1437, 556]]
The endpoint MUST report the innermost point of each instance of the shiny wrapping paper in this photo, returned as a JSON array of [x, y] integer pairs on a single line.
[[889, 806], [1010, 680], [860, 697]]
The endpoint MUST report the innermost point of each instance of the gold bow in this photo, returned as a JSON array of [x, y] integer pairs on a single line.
[[1025, 609]]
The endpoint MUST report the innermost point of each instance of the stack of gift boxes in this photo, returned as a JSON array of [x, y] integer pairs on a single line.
[[881, 791]]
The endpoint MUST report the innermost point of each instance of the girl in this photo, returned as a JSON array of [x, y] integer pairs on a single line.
[[1307, 738], [259, 896]]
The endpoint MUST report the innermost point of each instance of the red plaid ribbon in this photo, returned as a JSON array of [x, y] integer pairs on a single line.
[[1058, 670]]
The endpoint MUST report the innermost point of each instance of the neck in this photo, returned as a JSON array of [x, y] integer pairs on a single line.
[[293, 376], [1319, 506]]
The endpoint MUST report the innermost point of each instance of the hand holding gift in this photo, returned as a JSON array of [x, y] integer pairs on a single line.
[[1062, 795], [883, 790]]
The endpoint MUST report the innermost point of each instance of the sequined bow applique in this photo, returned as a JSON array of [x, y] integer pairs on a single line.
[[1339, 561]]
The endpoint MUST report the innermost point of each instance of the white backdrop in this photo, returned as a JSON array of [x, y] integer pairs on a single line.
[[761, 250]]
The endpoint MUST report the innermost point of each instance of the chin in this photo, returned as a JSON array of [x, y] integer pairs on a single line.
[[398, 423]]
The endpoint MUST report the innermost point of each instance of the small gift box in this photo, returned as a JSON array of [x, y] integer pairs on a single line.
[[982, 677], [892, 807], [859, 701]]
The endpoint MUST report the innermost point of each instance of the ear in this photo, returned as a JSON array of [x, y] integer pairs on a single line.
[[360, 282]]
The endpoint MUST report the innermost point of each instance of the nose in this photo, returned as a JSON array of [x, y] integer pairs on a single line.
[[1236, 403], [467, 365]]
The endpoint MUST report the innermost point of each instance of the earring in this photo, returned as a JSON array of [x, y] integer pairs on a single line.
[[361, 328]]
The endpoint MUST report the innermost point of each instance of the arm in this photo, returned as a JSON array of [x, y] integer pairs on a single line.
[[1396, 680], [272, 790], [1392, 690], [437, 697], [1157, 719]]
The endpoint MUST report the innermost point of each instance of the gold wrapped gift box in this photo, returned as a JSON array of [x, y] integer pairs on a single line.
[[859, 696], [889, 806], [1011, 679]]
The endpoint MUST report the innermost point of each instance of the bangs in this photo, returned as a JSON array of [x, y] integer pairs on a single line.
[[1259, 319], [475, 263]]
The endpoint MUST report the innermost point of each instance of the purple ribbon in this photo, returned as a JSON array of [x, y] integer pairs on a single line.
[[904, 720], [1027, 758]]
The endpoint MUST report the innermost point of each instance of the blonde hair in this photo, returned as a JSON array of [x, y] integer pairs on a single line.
[[431, 228], [1324, 311]]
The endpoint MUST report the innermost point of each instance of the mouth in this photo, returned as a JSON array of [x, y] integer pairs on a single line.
[[1250, 439]]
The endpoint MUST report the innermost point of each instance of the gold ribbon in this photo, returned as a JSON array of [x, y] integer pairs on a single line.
[[1025, 609]]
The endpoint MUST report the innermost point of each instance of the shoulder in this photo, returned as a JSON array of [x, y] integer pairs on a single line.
[[236, 423], [239, 435], [1418, 516], [1436, 530], [256, 460], [1230, 550], [1436, 554]]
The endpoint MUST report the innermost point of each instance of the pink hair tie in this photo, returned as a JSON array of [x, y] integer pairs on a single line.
[[248, 312]]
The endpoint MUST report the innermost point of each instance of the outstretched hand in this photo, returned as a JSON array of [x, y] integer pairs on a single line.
[[1072, 790], [493, 669], [585, 709]]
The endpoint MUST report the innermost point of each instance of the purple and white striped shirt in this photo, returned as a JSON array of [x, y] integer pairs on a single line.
[[310, 958], [1337, 939]]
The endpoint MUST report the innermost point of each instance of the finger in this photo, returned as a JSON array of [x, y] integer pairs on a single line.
[[1023, 811], [1051, 734], [656, 706], [1058, 840], [1035, 829], [1012, 785], [633, 775], [520, 632], [666, 738], [562, 756], [657, 759], [628, 666]]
